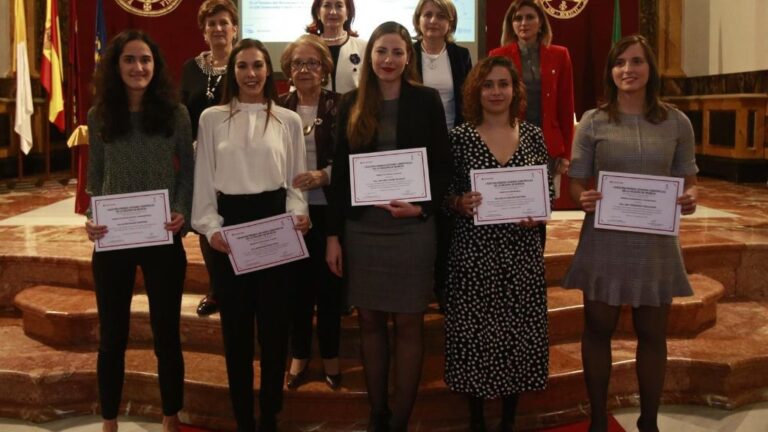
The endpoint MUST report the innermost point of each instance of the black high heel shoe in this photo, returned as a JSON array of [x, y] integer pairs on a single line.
[[295, 381]]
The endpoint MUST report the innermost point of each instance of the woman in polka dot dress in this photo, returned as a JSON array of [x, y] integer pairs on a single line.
[[496, 315]]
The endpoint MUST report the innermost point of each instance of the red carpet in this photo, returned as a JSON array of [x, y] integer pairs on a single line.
[[613, 426]]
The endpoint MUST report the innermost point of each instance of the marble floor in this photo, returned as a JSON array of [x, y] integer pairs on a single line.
[[727, 240]]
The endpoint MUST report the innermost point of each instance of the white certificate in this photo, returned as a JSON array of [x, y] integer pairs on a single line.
[[639, 203], [511, 194], [264, 243], [133, 219], [381, 177]]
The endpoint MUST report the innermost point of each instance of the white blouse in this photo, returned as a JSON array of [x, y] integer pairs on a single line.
[[236, 155]]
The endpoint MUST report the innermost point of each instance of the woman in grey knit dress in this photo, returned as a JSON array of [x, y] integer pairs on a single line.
[[634, 132], [140, 140]]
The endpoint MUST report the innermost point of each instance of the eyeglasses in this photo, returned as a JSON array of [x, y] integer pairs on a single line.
[[311, 65]]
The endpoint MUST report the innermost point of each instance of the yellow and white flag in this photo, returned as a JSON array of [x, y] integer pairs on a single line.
[[50, 65], [24, 106]]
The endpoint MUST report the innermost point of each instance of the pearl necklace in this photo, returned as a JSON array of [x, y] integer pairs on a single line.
[[335, 39]]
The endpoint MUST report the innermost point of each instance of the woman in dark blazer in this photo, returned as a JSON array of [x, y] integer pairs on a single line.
[[548, 76], [308, 63], [389, 250], [437, 56], [442, 65]]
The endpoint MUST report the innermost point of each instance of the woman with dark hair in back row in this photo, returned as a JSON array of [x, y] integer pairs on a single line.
[[138, 134], [249, 150]]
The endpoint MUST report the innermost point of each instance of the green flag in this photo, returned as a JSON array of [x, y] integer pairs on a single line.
[[616, 34]]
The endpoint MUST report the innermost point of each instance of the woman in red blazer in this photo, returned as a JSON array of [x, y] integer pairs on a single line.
[[548, 76]]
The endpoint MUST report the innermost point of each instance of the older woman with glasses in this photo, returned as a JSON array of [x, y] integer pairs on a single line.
[[307, 61]]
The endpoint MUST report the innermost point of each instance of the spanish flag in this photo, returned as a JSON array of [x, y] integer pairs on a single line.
[[24, 106], [50, 69]]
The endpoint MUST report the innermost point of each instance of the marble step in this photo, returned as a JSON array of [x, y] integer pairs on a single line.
[[67, 316], [723, 366]]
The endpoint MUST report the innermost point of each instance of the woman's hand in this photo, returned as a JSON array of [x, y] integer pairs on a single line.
[[687, 202], [588, 200], [562, 165], [94, 231], [176, 223], [333, 255], [530, 223], [401, 209], [301, 222], [218, 243], [311, 180], [467, 203]]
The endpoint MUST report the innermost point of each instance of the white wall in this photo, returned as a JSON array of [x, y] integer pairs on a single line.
[[724, 36]]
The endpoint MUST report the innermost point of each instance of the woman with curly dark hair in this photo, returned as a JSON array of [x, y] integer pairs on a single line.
[[496, 310], [140, 140]]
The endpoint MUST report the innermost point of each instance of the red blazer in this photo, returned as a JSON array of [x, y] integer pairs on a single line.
[[556, 92]]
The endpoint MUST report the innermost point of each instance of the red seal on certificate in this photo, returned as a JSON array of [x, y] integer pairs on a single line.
[[564, 9], [150, 8]]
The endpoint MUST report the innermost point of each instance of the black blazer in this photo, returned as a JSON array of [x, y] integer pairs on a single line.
[[461, 64], [326, 112], [420, 123]]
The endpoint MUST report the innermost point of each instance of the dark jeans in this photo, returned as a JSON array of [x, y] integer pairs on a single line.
[[316, 286], [114, 273], [259, 298]]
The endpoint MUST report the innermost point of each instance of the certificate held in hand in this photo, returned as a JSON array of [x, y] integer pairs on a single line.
[[133, 219], [381, 177], [511, 194], [638, 203], [264, 243]]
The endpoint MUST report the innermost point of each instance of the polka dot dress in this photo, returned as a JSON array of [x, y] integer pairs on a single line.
[[496, 314]]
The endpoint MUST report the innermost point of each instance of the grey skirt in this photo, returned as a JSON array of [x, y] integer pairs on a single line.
[[389, 263]]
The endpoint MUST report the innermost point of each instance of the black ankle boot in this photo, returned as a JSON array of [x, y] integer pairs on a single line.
[[379, 422], [642, 426], [476, 414]]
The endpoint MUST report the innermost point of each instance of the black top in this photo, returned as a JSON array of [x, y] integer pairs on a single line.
[[420, 123], [335, 52], [461, 64], [194, 86]]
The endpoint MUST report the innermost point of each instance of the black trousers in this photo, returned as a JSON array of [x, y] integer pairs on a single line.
[[259, 298], [114, 273], [213, 279], [316, 286]]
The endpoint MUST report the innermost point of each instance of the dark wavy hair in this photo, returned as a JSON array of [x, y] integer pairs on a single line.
[[158, 104], [363, 116], [655, 109], [232, 89], [316, 27], [473, 86]]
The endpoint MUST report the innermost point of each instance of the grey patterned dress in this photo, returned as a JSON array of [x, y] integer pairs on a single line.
[[496, 311], [617, 267]]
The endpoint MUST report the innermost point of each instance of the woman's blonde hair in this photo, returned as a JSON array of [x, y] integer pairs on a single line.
[[445, 6]]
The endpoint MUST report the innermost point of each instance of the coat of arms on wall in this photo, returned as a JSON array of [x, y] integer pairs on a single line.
[[150, 8], [564, 9]]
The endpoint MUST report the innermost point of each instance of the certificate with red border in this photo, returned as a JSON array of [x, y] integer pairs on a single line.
[[639, 203], [381, 177], [511, 194], [133, 220], [264, 243]]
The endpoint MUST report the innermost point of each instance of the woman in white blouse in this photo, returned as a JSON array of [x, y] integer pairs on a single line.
[[248, 151], [332, 21]]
